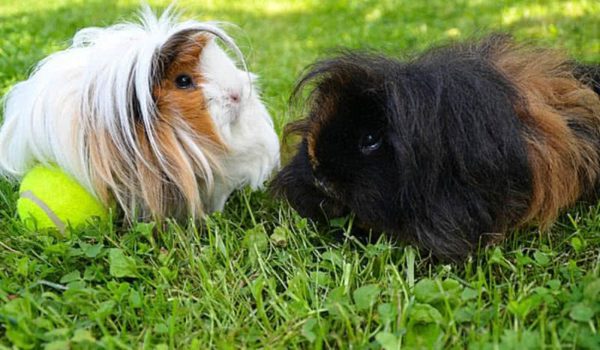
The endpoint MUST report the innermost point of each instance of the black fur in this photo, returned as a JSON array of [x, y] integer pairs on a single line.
[[589, 74], [453, 167]]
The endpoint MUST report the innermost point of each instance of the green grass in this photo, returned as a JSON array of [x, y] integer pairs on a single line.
[[258, 275]]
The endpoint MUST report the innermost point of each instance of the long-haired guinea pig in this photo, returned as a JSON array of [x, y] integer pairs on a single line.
[[449, 149], [155, 116]]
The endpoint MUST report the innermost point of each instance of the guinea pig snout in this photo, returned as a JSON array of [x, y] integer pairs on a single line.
[[234, 96], [232, 99]]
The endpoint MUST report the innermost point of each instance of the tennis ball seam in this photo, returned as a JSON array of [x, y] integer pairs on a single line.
[[49, 212]]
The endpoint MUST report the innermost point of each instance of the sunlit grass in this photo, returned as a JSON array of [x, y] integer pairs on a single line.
[[540, 11]]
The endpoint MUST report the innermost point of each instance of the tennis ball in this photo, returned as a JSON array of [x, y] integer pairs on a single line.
[[49, 198]]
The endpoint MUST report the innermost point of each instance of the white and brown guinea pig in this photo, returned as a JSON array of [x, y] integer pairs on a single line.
[[153, 115], [459, 145]]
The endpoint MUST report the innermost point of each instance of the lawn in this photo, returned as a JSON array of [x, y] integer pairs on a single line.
[[258, 275]]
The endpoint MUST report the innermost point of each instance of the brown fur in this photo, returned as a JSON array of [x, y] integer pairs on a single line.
[[323, 106], [189, 103], [564, 165]]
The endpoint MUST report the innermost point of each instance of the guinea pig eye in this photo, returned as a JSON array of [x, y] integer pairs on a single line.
[[184, 81], [370, 143]]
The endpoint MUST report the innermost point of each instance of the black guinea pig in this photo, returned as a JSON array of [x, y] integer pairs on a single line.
[[450, 149]]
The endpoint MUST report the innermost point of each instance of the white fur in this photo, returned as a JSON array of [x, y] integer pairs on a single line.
[[88, 87], [245, 126]]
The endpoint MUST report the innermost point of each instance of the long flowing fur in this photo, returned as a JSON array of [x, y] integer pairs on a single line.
[[93, 110], [477, 139]]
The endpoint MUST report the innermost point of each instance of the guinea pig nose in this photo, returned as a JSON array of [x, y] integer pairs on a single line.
[[234, 96]]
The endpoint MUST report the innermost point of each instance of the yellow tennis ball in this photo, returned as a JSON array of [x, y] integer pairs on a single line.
[[49, 198]]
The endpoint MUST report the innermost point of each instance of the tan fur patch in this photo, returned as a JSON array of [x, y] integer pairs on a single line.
[[174, 183], [305, 128], [564, 165], [324, 105], [189, 103], [312, 146]]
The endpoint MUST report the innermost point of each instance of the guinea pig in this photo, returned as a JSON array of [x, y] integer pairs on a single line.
[[154, 116], [447, 150]]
